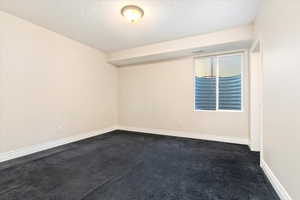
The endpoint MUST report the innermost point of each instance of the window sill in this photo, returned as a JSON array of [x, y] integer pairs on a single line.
[[230, 111]]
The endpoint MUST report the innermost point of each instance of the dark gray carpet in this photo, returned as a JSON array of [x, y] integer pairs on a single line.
[[129, 166]]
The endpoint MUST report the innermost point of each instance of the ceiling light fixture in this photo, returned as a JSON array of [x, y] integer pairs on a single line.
[[132, 13]]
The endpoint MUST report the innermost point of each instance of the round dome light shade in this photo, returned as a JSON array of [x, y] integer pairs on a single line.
[[132, 13]]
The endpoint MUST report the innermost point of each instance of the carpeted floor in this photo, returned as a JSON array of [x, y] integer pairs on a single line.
[[129, 166]]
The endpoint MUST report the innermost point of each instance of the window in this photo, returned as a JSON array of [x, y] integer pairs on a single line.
[[218, 82]]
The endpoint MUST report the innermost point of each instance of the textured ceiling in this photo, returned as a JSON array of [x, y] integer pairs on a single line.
[[98, 23]]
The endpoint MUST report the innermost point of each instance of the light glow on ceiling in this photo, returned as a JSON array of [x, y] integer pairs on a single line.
[[132, 13]]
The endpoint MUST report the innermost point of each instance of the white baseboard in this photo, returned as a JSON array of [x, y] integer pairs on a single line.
[[254, 147], [48, 145], [192, 135], [281, 191]]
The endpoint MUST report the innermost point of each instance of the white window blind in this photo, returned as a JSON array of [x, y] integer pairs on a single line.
[[218, 82]]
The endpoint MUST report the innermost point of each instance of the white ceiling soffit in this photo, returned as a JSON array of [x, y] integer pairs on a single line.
[[232, 39], [98, 23]]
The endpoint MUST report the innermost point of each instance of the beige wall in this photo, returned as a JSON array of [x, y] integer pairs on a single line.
[[278, 27], [161, 96], [51, 87]]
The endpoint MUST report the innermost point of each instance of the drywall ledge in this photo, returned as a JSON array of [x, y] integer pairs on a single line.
[[281, 191], [49, 145], [184, 134], [227, 40]]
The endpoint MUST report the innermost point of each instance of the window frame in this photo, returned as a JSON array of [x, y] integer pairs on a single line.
[[218, 55]]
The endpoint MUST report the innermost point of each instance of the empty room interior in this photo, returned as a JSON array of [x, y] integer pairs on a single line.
[[149, 100]]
